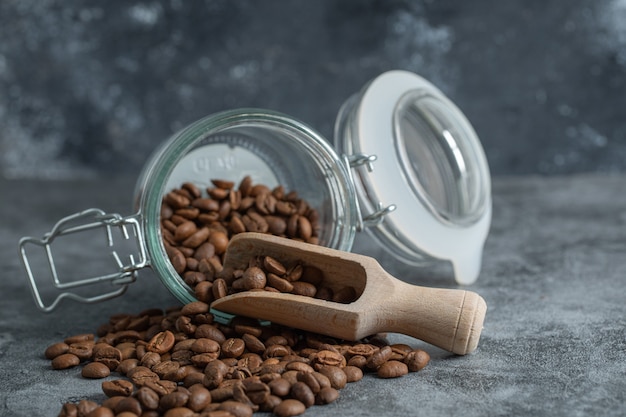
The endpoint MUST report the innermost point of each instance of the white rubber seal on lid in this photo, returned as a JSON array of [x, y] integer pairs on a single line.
[[430, 165]]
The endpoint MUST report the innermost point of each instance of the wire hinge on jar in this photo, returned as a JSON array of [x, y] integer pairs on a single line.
[[375, 218], [81, 222]]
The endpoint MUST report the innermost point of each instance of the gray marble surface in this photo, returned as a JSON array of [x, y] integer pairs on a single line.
[[554, 342]]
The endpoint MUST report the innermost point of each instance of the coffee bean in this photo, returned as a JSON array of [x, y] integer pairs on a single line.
[[126, 365], [236, 408], [200, 398], [416, 360], [303, 393], [379, 357], [95, 370], [328, 357], [128, 404], [65, 361], [289, 408], [101, 412], [56, 349], [233, 347], [353, 373], [327, 395], [179, 412], [219, 289], [205, 345], [84, 407], [304, 288], [148, 398], [174, 400], [336, 376], [162, 342], [117, 387], [392, 369], [141, 375], [107, 355], [161, 387]]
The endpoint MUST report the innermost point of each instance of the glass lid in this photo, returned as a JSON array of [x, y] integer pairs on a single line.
[[428, 163]]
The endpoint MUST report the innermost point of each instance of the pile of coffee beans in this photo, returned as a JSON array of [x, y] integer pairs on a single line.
[[181, 363]]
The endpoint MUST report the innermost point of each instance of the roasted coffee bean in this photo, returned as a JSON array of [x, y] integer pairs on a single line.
[[65, 361], [358, 361], [56, 349], [148, 398], [117, 387], [107, 355], [220, 289], [236, 408], [416, 360], [150, 359], [362, 349], [289, 408], [252, 278], [84, 407], [353, 373], [126, 365], [179, 412], [130, 405], [141, 375], [392, 369], [101, 412], [161, 343], [196, 307], [161, 387], [205, 345], [328, 357], [301, 392], [165, 368], [233, 347], [281, 284], [336, 376], [304, 288], [199, 398], [174, 399], [95, 370], [400, 350], [252, 343], [327, 395], [379, 357]]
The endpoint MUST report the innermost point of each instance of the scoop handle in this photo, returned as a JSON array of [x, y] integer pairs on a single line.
[[451, 319]]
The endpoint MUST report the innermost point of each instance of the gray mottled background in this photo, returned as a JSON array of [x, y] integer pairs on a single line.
[[89, 88]]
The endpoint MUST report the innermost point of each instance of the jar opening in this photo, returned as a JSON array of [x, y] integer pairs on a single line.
[[435, 150]]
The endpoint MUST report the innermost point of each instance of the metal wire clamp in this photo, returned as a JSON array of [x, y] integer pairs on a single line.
[[80, 222]]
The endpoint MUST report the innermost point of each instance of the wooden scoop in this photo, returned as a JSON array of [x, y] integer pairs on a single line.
[[447, 318]]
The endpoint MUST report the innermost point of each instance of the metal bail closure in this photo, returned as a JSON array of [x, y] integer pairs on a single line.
[[91, 219], [376, 217]]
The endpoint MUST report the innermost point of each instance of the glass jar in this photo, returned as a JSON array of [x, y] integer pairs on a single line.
[[409, 168]]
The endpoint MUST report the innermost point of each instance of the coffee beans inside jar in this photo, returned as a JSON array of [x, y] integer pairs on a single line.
[[197, 225]]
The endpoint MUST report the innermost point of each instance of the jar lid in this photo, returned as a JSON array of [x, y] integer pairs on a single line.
[[427, 172]]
